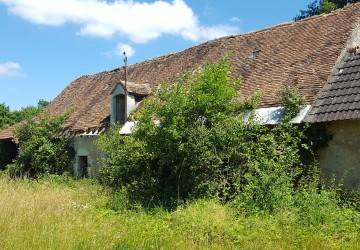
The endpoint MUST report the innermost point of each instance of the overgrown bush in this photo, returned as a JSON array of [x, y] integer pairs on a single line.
[[196, 138], [41, 151], [8, 149]]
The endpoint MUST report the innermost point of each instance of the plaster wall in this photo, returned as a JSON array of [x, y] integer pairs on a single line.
[[342, 156], [355, 38], [85, 146]]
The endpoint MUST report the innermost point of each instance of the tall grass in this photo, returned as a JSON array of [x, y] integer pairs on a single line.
[[61, 213]]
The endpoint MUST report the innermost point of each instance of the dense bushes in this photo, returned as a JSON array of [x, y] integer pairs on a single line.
[[207, 143], [8, 149], [41, 151]]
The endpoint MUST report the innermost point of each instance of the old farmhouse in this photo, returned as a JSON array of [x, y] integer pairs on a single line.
[[320, 55]]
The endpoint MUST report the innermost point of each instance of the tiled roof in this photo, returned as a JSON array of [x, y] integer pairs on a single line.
[[8, 133], [301, 53], [340, 98]]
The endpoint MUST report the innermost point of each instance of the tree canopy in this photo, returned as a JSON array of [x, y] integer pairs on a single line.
[[8, 117], [322, 6]]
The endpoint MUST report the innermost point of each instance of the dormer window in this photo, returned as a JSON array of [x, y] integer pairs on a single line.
[[120, 108], [122, 102], [118, 104]]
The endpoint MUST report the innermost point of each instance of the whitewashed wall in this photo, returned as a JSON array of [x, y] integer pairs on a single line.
[[342, 157], [85, 146]]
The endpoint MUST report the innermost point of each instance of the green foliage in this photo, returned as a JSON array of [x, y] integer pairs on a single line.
[[8, 149], [40, 150], [42, 104], [322, 6], [205, 144], [312, 10], [29, 111], [8, 118], [292, 101], [5, 116], [161, 163]]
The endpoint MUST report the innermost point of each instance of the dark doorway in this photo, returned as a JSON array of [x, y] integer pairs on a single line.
[[8, 152], [83, 166]]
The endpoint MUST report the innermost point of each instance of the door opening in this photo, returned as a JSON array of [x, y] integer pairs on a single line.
[[83, 166]]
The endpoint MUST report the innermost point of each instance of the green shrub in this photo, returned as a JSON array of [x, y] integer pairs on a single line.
[[41, 151], [207, 145]]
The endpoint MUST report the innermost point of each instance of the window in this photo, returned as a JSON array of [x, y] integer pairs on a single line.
[[120, 108], [254, 54], [139, 98]]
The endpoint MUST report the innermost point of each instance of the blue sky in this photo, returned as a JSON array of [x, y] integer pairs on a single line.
[[48, 43]]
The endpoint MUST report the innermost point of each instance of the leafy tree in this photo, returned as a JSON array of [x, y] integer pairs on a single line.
[[29, 111], [6, 117], [322, 6], [42, 104], [206, 144], [25, 114], [40, 150]]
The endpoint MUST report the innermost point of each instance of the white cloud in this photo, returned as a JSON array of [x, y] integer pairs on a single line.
[[119, 50], [206, 33], [122, 47], [138, 21], [10, 69]]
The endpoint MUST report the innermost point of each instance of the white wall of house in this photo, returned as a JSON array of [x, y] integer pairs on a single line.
[[342, 156], [85, 147]]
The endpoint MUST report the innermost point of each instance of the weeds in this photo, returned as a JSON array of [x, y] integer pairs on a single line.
[[61, 213]]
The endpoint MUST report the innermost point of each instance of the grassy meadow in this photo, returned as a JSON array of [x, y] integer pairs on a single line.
[[61, 213]]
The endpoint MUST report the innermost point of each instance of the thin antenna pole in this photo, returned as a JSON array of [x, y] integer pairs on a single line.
[[125, 61], [125, 100]]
